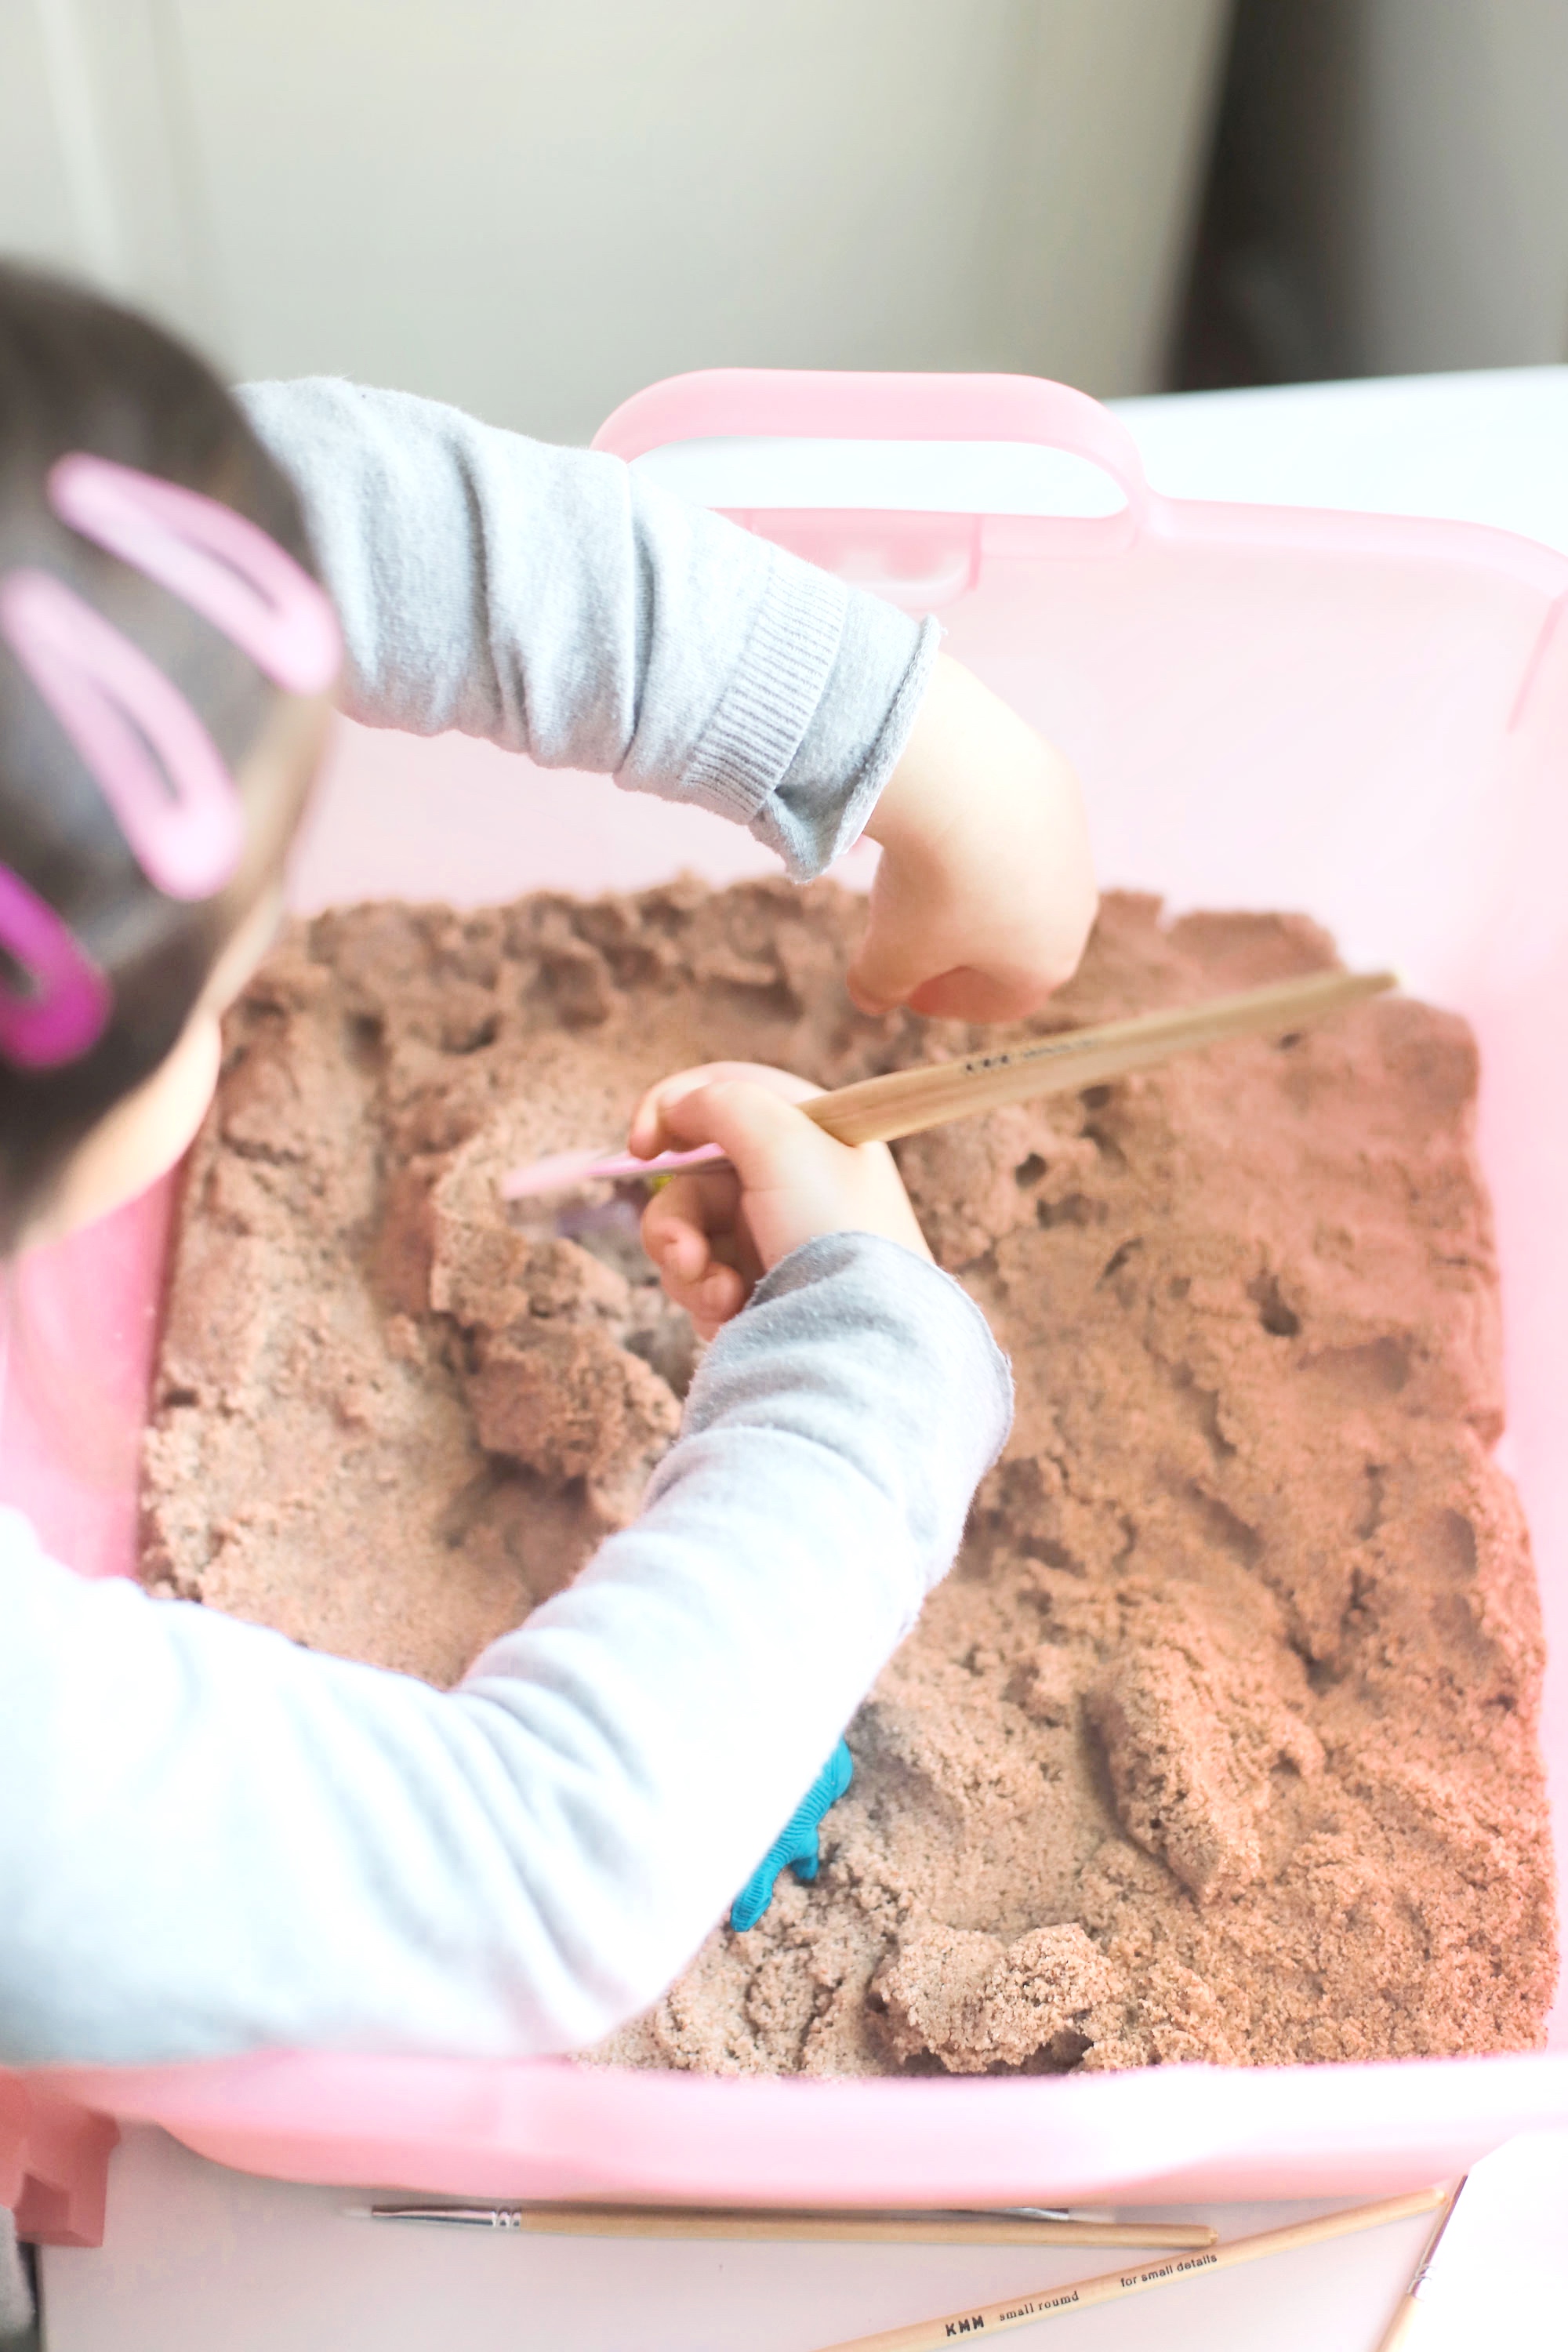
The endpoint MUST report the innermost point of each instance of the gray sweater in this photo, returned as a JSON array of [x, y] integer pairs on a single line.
[[212, 1841]]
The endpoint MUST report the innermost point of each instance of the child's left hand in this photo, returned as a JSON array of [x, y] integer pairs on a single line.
[[714, 1233]]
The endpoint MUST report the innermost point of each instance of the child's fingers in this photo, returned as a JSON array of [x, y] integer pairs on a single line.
[[985, 893], [929, 957], [692, 1277], [788, 1182], [692, 1231], [967, 993], [963, 993], [895, 955], [796, 1180], [681, 1216], [953, 954], [679, 1250], [757, 1127], [649, 1133], [712, 1302]]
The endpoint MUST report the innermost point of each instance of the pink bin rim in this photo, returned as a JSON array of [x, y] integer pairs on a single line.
[[550, 2128]]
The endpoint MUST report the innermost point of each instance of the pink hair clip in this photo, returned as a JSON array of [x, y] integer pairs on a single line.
[[159, 769], [218, 561], [65, 1009]]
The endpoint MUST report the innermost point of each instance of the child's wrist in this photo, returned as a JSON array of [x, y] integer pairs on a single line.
[[915, 806]]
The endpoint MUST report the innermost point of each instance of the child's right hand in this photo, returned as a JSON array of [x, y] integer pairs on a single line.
[[713, 1233]]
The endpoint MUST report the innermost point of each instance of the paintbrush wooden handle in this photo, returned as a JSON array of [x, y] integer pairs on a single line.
[[794, 2227], [854, 2229], [1025, 2310], [1403, 2328], [906, 1102]]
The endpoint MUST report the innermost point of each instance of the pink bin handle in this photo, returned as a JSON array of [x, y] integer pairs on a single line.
[[822, 404]]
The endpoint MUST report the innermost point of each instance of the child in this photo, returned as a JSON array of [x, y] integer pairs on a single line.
[[210, 1840]]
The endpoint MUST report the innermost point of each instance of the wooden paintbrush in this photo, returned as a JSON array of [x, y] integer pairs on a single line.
[[1404, 2326], [1011, 2226], [906, 1102], [1025, 2310]]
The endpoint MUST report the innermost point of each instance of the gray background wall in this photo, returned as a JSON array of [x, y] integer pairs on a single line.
[[1390, 192], [535, 206]]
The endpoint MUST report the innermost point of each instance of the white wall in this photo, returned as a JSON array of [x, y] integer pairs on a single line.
[[97, 166], [534, 206]]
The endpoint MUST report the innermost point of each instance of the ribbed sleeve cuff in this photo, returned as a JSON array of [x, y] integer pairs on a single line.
[[825, 800], [756, 730]]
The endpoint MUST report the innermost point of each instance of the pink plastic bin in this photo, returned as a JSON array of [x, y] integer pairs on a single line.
[[1362, 717]]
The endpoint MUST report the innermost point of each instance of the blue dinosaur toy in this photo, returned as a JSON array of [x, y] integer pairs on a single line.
[[796, 1847]]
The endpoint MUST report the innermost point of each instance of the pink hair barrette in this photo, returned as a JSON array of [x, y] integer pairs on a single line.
[[154, 760], [220, 563], [63, 1007], [156, 764], [158, 767]]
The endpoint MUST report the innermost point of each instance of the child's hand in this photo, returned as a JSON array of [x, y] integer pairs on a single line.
[[985, 895], [714, 1233]]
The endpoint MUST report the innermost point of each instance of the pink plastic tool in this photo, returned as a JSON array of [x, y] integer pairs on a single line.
[[221, 565], [561, 1169], [1359, 715], [65, 1010], [157, 766]]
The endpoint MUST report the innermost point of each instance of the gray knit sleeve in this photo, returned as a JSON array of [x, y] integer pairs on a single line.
[[213, 1841], [554, 602]]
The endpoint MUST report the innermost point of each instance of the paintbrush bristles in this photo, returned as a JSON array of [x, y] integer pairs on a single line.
[[1407, 2318], [906, 1102]]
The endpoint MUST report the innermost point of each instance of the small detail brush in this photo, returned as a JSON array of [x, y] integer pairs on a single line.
[[1404, 2326], [1013, 2225], [906, 1102], [1058, 2302]]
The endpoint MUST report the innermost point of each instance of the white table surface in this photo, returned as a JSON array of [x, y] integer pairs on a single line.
[[196, 2258]]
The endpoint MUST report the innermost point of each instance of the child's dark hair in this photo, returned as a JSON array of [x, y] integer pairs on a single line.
[[78, 373]]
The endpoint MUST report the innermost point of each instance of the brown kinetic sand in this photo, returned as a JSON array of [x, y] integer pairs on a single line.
[[1218, 1743]]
